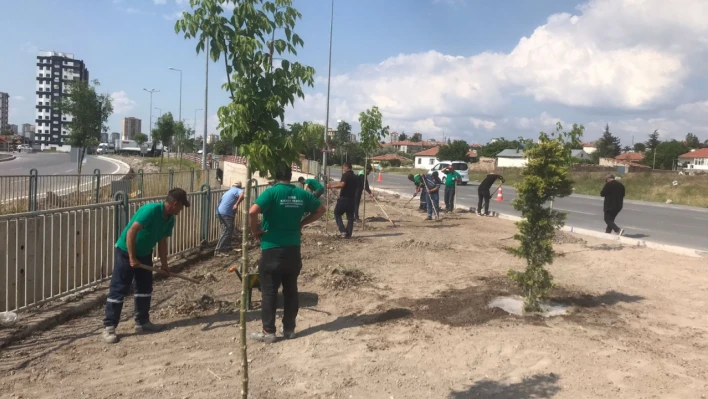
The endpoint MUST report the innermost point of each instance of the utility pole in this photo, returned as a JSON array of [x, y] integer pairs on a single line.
[[151, 91], [180, 90], [329, 78], [206, 102]]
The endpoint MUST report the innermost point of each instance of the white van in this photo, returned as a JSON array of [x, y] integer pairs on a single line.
[[460, 166]]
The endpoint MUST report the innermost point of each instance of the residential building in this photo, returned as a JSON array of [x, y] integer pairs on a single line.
[[390, 157], [54, 72], [331, 133], [579, 154], [511, 158], [104, 137], [589, 147], [131, 127], [14, 129], [114, 136], [695, 160], [28, 132], [630, 156], [4, 111], [426, 159], [409, 147], [212, 138]]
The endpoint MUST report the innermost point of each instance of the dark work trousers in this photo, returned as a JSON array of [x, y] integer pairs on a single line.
[[227, 231], [345, 205], [123, 277], [357, 203], [423, 199], [318, 193], [610, 221], [450, 198], [279, 266], [483, 195]]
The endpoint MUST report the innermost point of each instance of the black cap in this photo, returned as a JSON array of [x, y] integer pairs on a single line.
[[179, 195]]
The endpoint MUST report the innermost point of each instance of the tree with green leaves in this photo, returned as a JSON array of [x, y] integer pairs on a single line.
[[653, 141], [545, 177], [417, 137], [89, 111], [163, 132], [224, 147], [454, 151], [401, 137], [249, 40], [608, 146], [182, 134], [140, 139], [692, 141], [372, 132], [343, 132], [664, 155], [640, 147], [491, 150]]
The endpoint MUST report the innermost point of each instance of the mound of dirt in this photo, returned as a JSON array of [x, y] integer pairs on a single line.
[[336, 277], [566, 238], [433, 246], [205, 304]]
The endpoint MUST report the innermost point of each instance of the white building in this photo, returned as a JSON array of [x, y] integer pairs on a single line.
[[589, 148], [695, 160], [426, 159], [511, 158], [54, 71]]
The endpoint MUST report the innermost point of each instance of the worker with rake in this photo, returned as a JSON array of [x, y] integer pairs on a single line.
[[152, 224], [484, 194], [426, 184], [282, 206]]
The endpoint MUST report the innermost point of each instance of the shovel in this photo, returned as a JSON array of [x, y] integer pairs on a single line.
[[156, 270]]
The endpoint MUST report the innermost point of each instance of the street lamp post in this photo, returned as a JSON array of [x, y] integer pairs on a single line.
[[159, 109], [180, 90], [206, 103], [329, 78], [151, 91]]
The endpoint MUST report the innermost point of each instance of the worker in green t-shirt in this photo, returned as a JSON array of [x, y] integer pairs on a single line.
[[151, 225], [282, 206], [313, 185], [453, 177]]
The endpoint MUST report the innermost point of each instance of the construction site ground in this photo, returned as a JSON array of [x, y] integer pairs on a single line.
[[400, 312]]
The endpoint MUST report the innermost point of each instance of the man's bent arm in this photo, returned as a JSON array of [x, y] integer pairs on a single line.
[[253, 220], [162, 253], [131, 240]]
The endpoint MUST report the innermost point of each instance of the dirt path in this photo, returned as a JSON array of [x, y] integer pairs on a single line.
[[401, 312]]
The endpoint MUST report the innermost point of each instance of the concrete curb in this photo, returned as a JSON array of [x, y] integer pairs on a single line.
[[10, 158], [634, 242], [117, 161]]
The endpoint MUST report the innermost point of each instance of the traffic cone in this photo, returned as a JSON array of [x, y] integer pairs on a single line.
[[380, 179], [500, 196]]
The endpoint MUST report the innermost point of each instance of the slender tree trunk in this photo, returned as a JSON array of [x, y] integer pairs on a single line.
[[363, 197], [244, 286], [78, 177]]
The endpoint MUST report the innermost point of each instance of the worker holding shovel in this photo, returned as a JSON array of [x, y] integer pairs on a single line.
[[152, 224], [282, 206], [484, 194]]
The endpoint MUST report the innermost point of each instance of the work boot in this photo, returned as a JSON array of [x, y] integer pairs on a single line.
[[288, 334], [429, 218], [109, 335], [148, 327], [263, 336]]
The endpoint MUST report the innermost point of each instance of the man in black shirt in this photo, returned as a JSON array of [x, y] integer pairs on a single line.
[[483, 193], [614, 199], [363, 186], [346, 203]]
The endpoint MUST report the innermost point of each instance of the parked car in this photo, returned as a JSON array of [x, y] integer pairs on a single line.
[[460, 166], [24, 148]]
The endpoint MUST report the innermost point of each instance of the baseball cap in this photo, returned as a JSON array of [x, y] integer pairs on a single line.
[[179, 195], [610, 176]]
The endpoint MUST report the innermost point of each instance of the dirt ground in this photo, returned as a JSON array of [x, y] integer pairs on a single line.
[[401, 312]]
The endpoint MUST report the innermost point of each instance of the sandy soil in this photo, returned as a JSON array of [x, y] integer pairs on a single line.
[[401, 313]]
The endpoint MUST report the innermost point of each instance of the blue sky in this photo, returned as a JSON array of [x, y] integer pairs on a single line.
[[471, 69]]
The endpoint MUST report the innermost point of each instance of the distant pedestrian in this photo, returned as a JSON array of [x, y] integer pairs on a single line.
[[225, 212], [363, 186], [283, 207], [613, 191], [453, 177], [315, 187], [346, 202], [152, 224], [484, 194]]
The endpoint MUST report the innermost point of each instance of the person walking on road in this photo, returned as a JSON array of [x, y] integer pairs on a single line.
[[346, 202], [282, 207], [152, 224], [313, 185], [226, 212], [484, 194], [453, 177], [613, 191], [363, 186]]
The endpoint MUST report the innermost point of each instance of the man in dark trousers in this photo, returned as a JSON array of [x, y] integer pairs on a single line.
[[483, 193], [363, 186], [152, 224], [453, 177], [614, 199], [283, 207], [423, 184], [346, 202]]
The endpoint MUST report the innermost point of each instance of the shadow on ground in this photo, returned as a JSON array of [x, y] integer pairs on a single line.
[[354, 320], [537, 386]]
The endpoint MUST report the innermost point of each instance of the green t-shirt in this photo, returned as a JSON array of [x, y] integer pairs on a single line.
[[417, 180], [283, 206], [155, 228], [313, 184], [451, 179]]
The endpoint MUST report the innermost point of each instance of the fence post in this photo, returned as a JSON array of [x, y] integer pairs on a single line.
[[97, 176], [140, 183], [206, 209], [32, 198], [171, 179], [191, 181], [119, 216], [208, 181]]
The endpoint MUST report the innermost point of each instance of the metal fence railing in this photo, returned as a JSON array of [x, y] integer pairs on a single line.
[[34, 192]]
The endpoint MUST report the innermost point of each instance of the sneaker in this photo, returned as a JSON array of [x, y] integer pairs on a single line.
[[109, 335], [148, 327], [288, 334], [479, 214], [621, 232], [429, 218], [268, 338]]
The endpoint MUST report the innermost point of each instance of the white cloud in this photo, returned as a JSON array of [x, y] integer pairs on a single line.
[[613, 57], [159, 2], [18, 98], [173, 17], [121, 103]]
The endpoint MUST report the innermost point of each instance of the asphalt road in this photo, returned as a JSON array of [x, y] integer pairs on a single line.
[[54, 171], [669, 224]]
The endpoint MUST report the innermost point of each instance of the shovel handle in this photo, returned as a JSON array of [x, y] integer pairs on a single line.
[[154, 269]]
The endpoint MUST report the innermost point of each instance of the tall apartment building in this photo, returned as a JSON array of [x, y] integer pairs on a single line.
[[213, 138], [28, 132], [131, 127], [114, 136], [4, 111], [14, 129], [54, 71]]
